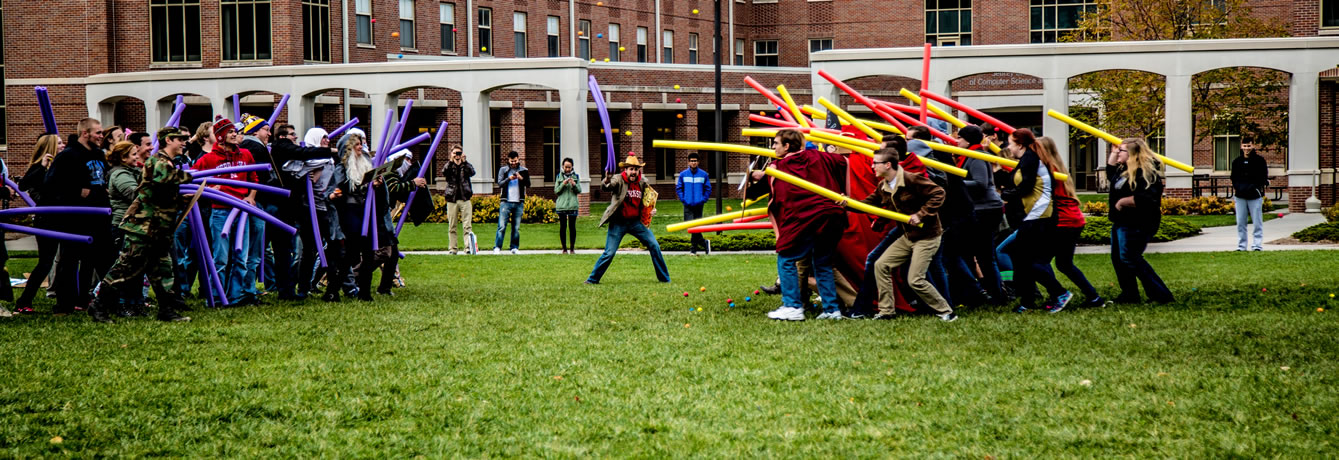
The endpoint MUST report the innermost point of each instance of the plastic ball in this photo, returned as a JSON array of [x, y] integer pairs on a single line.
[[679, 115], [694, 10], [1280, 214], [699, 308], [756, 292], [580, 33], [1264, 289], [606, 59], [1319, 310], [1331, 296], [732, 305], [729, 300], [762, 113], [729, 208], [454, 30], [401, 56], [622, 48], [676, 86], [702, 289], [395, 34], [374, 20], [748, 299], [592, 60], [599, 35], [599, 3], [627, 133], [484, 49], [677, 100], [685, 293]]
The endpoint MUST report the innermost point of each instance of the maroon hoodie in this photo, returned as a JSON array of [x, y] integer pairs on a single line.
[[801, 215]]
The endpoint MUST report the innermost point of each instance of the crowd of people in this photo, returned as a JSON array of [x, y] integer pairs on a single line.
[[145, 243], [987, 238]]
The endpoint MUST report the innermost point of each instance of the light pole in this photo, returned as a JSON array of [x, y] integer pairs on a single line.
[[720, 128]]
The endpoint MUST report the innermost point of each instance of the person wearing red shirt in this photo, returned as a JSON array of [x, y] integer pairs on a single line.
[[624, 217], [231, 266]]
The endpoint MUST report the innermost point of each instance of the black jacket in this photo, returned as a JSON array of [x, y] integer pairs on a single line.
[[282, 152], [74, 169], [458, 181], [504, 172], [958, 208], [1250, 176], [33, 182], [1147, 211]]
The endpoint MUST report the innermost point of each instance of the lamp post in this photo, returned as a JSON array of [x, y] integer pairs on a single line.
[[720, 128]]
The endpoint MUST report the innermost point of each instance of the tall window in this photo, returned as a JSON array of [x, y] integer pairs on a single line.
[[819, 44], [175, 33], [949, 22], [739, 52], [246, 29], [692, 48], [1226, 147], [667, 42], [641, 44], [583, 39], [665, 157], [446, 13], [316, 30], [1329, 13], [1053, 19], [3, 113], [553, 157], [613, 42], [407, 24], [518, 33], [363, 17], [765, 53], [485, 31], [553, 28]]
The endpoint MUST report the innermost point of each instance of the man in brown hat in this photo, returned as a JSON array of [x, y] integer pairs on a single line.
[[624, 217]]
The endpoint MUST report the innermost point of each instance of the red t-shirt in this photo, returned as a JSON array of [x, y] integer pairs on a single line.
[[632, 204], [221, 158], [1067, 211]]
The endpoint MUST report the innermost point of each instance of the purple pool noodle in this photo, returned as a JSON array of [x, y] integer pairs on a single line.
[[395, 137], [247, 185], [26, 199], [260, 267], [200, 240], [316, 228], [277, 109], [215, 280], [334, 134], [87, 210], [227, 223], [236, 106], [236, 203], [47, 233], [175, 119], [604, 118], [375, 234], [44, 106], [407, 144], [422, 170], [385, 132], [367, 211], [230, 170], [241, 234]]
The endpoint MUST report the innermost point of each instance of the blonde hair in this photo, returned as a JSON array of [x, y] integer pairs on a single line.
[[355, 165], [119, 151], [45, 144], [1055, 162], [1140, 158]]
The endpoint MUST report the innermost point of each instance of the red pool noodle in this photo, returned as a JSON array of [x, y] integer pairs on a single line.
[[728, 227], [776, 100], [925, 93], [862, 99], [925, 79], [744, 220]]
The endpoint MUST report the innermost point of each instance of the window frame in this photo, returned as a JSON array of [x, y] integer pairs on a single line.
[[447, 24], [407, 40], [1054, 33], [693, 41], [667, 46], [1334, 11], [554, 26], [1229, 140], [614, 44], [166, 7], [363, 17], [269, 37], [643, 37], [321, 36], [485, 31], [819, 41], [553, 151], [933, 34], [583, 39], [765, 54], [740, 44], [520, 20]]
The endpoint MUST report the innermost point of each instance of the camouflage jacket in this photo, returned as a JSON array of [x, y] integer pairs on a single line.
[[158, 201]]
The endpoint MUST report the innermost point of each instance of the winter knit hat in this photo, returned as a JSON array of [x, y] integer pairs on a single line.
[[251, 123], [971, 134], [222, 127]]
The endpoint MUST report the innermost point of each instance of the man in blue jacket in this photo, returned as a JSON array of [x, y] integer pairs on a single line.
[[694, 187]]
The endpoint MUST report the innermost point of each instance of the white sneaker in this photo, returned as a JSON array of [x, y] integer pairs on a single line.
[[5, 313], [497, 250], [948, 317], [831, 315], [515, 251], [787, 314]]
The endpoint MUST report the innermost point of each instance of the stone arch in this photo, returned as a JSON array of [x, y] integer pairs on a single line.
[[1228, 103], [1124, 102], [199, 109]]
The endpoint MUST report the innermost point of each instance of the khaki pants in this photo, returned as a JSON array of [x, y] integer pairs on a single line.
[[916, 256], [463, 212]]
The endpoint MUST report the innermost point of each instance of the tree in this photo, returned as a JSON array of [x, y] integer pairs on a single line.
[[1242, 100]]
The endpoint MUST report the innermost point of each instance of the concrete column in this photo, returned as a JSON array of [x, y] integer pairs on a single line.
[[822, 89], [302, 112], [103, 111], [575, 140], [380, 104], [1303, 139], [1055, 96], [156, 114], [219, 103], [474, 125], [1180, 130]]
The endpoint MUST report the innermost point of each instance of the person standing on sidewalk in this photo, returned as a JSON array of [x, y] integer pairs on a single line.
[[624, 216], [567, 185], [694, 187], [458, 192], [1250, 176], [512, 180]]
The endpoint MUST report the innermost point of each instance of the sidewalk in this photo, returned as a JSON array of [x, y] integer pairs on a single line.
[[1225, 238]]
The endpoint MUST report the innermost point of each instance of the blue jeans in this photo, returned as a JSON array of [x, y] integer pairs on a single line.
[[821, 261], [618, 228], [1127, 256], [185, 266], [1002, 259], [509, 212], [939, 275], [230, 265], [1254, 210], [255, 246], [866, 299]]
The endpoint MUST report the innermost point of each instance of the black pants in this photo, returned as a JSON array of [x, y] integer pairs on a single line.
[[691, 212], [46, 255], [81, 265], [310, 259], [282, 244], [1032, 255], [567, 229]]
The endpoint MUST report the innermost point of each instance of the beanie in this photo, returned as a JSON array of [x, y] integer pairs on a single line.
[[222, 127], [251, 123], [971, 134]]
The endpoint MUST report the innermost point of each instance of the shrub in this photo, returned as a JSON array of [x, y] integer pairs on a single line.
[[537, 210], [1327, 232], [1098, 230], [1203, 206], [1095, 208], [1331, 213]]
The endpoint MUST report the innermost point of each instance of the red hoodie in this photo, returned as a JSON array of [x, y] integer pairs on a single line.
[[224, 156], [800, 215], [1067, 211]]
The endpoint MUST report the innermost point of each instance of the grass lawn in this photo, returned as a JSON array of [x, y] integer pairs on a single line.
[[515, 357], [1219, 220]]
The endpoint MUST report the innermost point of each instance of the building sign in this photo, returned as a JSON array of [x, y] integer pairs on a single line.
[[997, 81]]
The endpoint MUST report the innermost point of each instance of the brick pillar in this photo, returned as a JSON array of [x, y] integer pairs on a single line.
[[629, 135], [685, 127], [512, 131]]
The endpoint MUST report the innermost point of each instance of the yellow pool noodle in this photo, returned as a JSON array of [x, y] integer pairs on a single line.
[[834, 196], [951, 119], [790, 105], [712, 146], [729, 216], [1113, 139], [853, 120]]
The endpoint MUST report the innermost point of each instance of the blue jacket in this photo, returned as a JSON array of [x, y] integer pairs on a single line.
[[693, 188]]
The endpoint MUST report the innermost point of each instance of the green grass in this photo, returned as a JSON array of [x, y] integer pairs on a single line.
[[1220, 220], [515, 357]]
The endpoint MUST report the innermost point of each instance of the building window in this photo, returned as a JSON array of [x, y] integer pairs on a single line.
[[485, 31], [518, 33], [949, 22], [739, 52], [583, 39], [1329, 13], [246, 29], [4, 138], [495, 143], [613, 42], [665, 157], [667, 41], [1054, 19], [175, 32], [407, 24], [1226, 147], [363, 16], [692, 48], [641, 44], [446, 13], [555, 28], [316, 30], [819, 44], [765, 53], [553, 158]]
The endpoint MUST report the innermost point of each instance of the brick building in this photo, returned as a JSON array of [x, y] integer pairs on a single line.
[[652, 58]]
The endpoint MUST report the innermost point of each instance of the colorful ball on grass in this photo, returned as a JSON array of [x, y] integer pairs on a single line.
[[702, 289], [732, 305], [699, 308], [729, 208], [1331, 296], [685, 293], [756, 292], [748, 299], [1320, 310], [729, 300]]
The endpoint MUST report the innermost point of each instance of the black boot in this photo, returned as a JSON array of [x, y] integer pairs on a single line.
[[167, 308], [98, 311]]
